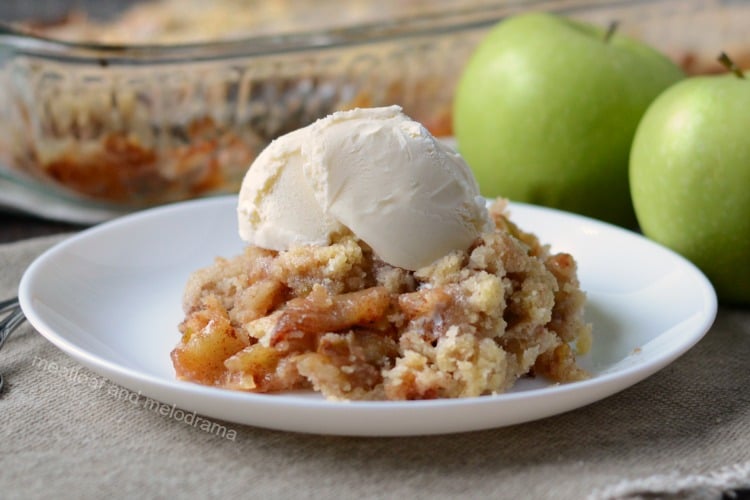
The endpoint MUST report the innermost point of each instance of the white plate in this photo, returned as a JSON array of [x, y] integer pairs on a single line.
[[110, 298]]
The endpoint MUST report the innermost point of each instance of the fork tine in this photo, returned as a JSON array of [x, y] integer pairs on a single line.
[[9, 324], [7, 305]]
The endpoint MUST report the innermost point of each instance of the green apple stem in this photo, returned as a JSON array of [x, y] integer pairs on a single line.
[[611, 29], [727, 62]]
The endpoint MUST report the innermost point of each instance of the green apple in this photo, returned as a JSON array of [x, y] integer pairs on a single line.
[[690, 178], [546, 109]]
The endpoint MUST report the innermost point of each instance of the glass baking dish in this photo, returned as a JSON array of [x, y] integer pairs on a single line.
[[155, 120]]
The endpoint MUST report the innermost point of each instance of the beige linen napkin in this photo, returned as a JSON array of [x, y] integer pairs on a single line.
[[683, 433]]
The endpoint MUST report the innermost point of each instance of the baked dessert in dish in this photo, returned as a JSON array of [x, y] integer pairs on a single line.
[[171, 99], [398, 283], [188, 95], [170, 22]]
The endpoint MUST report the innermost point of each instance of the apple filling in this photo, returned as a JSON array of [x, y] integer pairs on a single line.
[[339, 320]]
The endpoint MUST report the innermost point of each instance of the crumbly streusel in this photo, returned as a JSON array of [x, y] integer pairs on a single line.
[[340, 321]]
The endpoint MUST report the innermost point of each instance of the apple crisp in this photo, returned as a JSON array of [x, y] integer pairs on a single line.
[[134, 127], [339, 320]]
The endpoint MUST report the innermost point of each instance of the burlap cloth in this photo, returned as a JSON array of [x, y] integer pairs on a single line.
[[683, 433]]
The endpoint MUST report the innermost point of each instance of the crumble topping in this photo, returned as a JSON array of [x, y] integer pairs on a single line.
[[338, 320]]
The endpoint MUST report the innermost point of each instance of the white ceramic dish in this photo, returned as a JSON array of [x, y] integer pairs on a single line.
[[110, 298]]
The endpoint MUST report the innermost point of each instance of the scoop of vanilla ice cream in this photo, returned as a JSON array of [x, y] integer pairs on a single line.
[[277, 208], [394, 185], [374, 171]]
